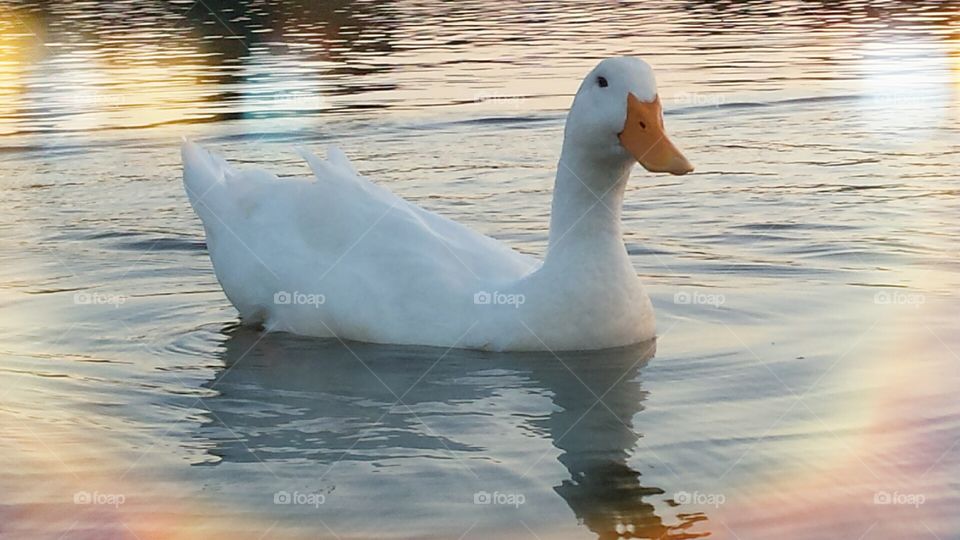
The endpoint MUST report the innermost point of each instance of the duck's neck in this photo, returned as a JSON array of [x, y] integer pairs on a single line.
[[585, 216]]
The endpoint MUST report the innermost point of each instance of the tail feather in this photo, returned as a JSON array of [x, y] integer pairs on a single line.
[[204, 173], [337, 165], [340, 160], [202, 170]]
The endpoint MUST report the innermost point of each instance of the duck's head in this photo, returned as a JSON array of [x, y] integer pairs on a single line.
[[616, 115]]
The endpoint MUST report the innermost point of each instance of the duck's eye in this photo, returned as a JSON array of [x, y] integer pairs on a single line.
[[602, 81]]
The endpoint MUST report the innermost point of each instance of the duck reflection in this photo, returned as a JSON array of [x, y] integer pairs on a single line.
[[283, 397], [598, 394]]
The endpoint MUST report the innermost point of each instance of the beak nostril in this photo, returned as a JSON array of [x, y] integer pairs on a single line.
[[644, 137]]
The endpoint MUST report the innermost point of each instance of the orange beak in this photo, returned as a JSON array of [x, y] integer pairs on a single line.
[[644, 137]]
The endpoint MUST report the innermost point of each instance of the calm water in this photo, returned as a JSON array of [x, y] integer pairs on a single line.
[[804, 381]]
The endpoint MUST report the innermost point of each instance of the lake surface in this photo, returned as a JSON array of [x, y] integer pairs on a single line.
[[804, 379]]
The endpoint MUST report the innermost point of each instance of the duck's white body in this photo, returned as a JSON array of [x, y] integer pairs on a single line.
[[339, 256]]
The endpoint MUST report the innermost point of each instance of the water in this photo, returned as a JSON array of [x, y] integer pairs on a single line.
[[804, 378]]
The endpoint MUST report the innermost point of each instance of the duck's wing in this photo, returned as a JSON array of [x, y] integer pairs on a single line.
[[340, 221]]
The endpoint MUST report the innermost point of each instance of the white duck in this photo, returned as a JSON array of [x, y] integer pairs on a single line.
[[339, 256]]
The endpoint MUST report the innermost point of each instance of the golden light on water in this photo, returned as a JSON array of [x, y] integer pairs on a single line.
[[93, 88], [18, 48], [106, 93]]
